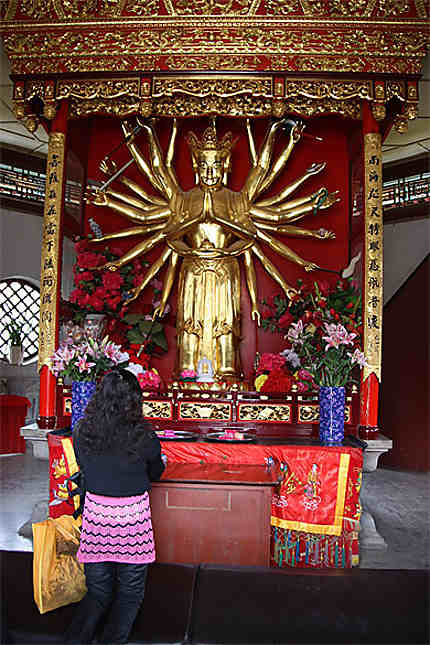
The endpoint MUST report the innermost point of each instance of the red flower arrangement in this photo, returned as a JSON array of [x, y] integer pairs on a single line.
[[278, 380], [107, 292], [317, 303], [149, 380], [272, 374], [101, 291], [313, 308]]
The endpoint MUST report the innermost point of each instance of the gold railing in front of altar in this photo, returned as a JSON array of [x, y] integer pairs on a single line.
[[277, 414]]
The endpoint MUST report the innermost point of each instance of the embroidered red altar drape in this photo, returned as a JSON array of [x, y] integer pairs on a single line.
[[315, 510]]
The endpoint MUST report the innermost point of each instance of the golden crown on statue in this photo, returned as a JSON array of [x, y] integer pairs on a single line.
[[209, 141]]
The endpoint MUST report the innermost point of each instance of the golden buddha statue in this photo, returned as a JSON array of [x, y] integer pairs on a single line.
[[209, 227]]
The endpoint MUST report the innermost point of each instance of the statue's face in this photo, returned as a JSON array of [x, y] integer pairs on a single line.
[[210, 168]]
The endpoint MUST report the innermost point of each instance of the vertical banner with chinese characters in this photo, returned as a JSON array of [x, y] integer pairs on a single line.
[[373, 252], [51, 252]]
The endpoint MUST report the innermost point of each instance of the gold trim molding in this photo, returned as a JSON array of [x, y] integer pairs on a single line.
[[204, 412], [234, 42], [157, 409], [233, 9], [237, 95]]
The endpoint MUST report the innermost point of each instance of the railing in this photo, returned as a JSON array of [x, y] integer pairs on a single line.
[[406, 191], [28, 185], [276, 414], [22, 183]]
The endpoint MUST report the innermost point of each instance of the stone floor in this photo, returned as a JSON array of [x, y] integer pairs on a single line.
[[397, 500]]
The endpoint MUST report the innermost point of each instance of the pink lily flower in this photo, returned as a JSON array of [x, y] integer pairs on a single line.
[[359, 358], [83, 365], [295, 333]]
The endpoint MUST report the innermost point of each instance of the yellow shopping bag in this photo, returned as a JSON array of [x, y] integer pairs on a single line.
[[58, 578]]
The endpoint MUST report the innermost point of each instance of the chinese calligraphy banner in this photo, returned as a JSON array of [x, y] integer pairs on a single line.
[[49, 273], [373, 251]]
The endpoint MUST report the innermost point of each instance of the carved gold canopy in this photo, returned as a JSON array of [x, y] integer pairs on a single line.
[[231, 57]]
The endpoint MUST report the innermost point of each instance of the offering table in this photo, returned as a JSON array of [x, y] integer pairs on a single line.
[[314, 512], [214, 513], [217, 497]]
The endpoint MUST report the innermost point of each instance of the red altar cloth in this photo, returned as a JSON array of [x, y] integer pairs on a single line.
[[62, 464], [316, 509], [315, 512]]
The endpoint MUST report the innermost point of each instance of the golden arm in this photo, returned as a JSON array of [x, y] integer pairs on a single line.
[[152, 199], [297, 231], [251, 281], [167, 286], [300, 208], [295, 135], [139, 249], [128, 232], [251, 144], [291, 188], [157, 162], [151, 273], [273, 272], [109, 168], [156, 215], [128, 199], [140, 160], [316, 204], [286, 252], [171, 153], [259, 171]]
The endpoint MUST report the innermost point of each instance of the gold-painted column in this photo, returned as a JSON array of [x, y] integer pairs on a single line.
[[373, 276], [50, 273]]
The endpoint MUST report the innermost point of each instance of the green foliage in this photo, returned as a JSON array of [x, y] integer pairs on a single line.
[[15, 332], [148, 332]]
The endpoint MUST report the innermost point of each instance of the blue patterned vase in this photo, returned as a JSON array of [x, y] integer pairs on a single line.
[[332, 414], [82, 392]]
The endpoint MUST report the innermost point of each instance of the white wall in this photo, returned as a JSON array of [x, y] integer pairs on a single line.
[[20, 245], [20, 252], [406, 244], [21, 237]]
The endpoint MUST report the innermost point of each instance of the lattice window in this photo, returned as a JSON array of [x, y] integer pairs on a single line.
[[19, 301]]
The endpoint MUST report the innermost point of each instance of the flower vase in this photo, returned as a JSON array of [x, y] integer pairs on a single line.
[[332, 415], [82, 392], [95, 325], [16, 354]]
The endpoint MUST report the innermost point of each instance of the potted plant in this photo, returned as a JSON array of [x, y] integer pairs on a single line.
[[15, 338], [83, 363]]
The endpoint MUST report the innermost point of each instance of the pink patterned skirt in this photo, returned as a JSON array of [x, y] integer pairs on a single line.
[[116, 529]]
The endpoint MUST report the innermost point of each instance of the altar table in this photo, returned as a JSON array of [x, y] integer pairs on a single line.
[[312, 521], [315, 509], [213, 513]]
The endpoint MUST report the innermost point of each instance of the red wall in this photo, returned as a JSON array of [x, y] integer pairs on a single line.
[[105, 134], [404, 410]]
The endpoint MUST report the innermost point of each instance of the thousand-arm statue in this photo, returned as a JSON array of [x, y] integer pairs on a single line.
[[209, 227]]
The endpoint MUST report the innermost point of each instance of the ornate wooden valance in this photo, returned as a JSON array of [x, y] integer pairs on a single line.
[[269, 56]]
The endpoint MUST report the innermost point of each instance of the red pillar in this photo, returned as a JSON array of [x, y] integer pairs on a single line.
[[373, 275], [50, 277]]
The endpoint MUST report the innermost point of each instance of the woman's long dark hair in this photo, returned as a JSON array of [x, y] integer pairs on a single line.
[[113, 420]]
